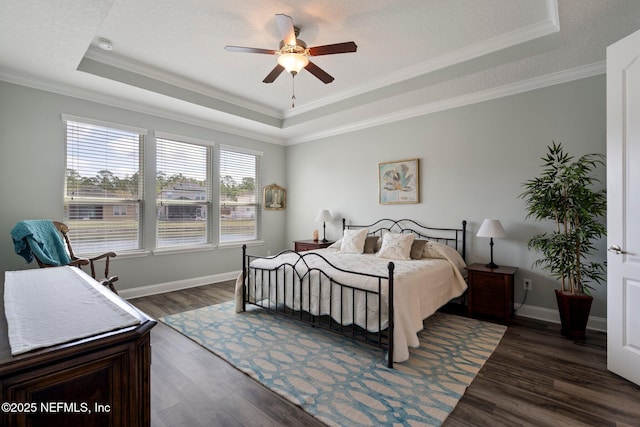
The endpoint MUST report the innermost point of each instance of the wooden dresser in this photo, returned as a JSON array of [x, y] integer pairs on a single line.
[[101, 380]]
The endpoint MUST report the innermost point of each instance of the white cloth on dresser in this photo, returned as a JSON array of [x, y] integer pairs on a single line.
[[50, 306]]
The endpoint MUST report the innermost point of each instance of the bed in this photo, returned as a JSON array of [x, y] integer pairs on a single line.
[[376, 284]]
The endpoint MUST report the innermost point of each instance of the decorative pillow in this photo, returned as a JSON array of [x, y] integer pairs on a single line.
[[353, 241], [396, 246], [417, 248], [371, 244]]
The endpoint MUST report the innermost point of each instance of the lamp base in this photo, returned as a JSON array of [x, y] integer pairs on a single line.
[[324, 240], [492, 265]]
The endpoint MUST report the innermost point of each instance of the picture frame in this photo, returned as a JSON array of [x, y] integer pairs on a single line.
[[399, 182], [274, 197]]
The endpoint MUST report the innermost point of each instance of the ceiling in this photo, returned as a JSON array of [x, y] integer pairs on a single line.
[[414, 56]]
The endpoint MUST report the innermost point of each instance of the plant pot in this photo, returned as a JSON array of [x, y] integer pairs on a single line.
[[574, 313]]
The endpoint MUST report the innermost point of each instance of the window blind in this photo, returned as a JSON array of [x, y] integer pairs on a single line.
[[103, 187], [239, 195], [183, 193]]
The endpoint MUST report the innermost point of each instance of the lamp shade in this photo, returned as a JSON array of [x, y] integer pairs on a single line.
[[323, 216], [491, 228]]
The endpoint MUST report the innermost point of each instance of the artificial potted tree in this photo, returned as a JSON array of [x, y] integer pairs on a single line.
[[566, 193]]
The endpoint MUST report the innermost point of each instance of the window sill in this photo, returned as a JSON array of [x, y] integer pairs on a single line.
[[119, 255]]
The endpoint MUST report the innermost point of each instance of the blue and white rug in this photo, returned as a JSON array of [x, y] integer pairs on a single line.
[[341, 382]]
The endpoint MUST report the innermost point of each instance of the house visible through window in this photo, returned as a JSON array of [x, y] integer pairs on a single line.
[[103, 191], [120, 210], [183, 193], [239, 195]]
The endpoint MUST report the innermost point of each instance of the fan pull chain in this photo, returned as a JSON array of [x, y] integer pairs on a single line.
[[293, 91]]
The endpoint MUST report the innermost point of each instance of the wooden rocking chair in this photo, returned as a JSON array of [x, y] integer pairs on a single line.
[[108, 281]]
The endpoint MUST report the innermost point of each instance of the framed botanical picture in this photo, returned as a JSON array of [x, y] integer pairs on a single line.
[[399, 182], [275, 197]]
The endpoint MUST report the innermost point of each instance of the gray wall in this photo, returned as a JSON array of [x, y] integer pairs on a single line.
[[473, 161], [32, 174]]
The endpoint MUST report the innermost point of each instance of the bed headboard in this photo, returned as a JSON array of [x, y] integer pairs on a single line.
[[454, 237]]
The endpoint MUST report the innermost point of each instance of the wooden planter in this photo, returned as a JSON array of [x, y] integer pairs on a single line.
[[574, 313]]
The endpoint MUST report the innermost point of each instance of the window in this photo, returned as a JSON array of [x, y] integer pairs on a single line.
[[103, 189], [183, 193], [239, 195]]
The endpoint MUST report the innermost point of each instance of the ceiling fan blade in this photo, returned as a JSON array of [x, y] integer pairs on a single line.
[[331, 49], [285, 24], [273, 74], [250, 50], [319, 72]]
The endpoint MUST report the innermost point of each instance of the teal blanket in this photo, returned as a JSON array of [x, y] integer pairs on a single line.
[[41, 238]]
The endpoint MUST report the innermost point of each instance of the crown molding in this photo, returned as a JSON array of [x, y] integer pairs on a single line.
[[540, 30], [460, 101], [247, 118], [161, 87], [486, 95], [118, 61], [59, 88]]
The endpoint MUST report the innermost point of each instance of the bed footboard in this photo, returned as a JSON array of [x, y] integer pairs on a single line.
[[303, 286]]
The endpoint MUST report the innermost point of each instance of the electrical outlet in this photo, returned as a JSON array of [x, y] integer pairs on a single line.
[[527, 284]]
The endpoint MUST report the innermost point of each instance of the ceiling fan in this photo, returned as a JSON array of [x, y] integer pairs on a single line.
[[293, 54]]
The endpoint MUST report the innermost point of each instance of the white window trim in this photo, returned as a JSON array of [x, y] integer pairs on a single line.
[[241, 150], [71, 118], [142, 251], [182, 138]]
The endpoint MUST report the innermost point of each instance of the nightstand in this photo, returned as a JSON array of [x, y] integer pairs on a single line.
[[491, 291], [307, 245]]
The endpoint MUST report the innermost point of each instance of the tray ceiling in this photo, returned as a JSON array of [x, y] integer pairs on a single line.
[[414, 56]]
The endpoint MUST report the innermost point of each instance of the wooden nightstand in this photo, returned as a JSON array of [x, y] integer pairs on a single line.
[[307, 245], [491, 291]]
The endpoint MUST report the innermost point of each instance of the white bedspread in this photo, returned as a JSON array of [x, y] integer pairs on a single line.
[[50, 306], [421, 288]]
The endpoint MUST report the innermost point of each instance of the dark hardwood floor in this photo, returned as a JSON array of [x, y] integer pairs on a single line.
[[534, 378]]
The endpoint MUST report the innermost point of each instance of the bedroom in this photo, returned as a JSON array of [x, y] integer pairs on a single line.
[[481, 152]]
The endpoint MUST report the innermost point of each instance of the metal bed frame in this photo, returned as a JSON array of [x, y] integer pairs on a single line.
[[455, 237]]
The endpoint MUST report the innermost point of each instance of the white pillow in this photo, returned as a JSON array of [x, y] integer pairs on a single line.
[[396, 246], [353, 241]]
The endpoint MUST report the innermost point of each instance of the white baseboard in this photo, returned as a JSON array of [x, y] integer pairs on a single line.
[[161, 288], [529, 311], [550, 315]]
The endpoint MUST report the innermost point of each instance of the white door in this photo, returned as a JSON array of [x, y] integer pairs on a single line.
[[623, 207]]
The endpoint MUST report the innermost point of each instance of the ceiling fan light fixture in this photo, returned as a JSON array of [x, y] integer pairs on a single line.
[[293, 62], [293, 53]]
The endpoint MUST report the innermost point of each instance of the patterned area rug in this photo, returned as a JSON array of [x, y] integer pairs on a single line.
[[341, 382]]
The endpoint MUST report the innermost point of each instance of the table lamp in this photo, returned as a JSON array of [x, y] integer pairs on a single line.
[[324, 216], [491, 228]]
